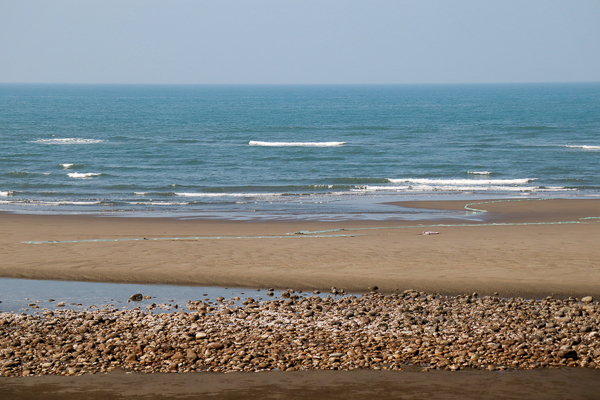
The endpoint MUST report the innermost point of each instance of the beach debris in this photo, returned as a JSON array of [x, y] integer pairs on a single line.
[[305, 332], [430, 233], [136, 297]]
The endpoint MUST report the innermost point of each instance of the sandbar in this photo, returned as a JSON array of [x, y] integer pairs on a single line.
[[517, 248]]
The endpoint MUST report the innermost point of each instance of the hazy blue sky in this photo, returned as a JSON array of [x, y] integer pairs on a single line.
[[304, 41]]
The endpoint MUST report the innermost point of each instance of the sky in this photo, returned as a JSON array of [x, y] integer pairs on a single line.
[[299, 41]]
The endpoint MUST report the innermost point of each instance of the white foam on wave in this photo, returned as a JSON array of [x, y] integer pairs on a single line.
[[449, 188], [479, 172], [158, 203], [76, 203], [68, 141], [585, 147], [50, 203], [296, 144], [67, 166], [7, 193], [453, 182], [79, 175], [228, 194]]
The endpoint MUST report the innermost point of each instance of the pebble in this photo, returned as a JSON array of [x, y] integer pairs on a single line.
[[371, 331]]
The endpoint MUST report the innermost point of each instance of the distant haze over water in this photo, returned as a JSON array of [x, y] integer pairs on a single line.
[[279, 151]]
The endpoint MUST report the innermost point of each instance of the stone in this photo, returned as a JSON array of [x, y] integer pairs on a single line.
[[136, 297], [191, 355], [201, 335], [587, 299], [307, 332]]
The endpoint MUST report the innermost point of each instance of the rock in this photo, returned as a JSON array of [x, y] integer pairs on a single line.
[[587, 299], [136, 297], [303, 333], [373, 288], [201, 335], [191, 355]]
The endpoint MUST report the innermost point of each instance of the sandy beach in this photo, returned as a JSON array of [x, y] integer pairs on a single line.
[[534, 257], [530, 249]]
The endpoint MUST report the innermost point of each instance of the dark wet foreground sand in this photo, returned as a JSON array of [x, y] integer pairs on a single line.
[[530, 384]]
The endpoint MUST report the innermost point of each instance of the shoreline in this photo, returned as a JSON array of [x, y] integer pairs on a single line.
[[515, 260], [542, 349]]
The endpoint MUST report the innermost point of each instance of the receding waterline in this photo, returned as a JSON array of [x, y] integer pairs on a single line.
[[36, 296]]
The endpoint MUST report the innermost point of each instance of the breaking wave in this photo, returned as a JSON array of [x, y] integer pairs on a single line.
[[296, 144]]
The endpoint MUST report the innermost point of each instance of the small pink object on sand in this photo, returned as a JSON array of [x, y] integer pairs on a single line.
[[430, 233]]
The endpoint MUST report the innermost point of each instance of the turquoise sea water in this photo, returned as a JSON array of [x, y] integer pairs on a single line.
[[318, 152]]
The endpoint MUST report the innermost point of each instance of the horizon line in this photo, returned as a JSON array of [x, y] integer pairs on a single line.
[[298, 84]]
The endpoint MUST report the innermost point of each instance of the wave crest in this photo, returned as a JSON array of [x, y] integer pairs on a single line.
[[585, 147], [228, 194], [79, 175], [479, 172], [454, 182], [295, 144], [68, 141]]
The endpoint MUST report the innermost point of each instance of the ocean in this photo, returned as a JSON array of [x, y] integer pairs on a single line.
[[292, 152]]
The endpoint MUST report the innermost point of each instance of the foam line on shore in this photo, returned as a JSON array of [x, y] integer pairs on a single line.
[[476, 210], [468, 208], [180, 238], [438, 225]]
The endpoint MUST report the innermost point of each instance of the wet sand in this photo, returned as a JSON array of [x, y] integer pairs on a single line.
[[444, 385], [514, 260]]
